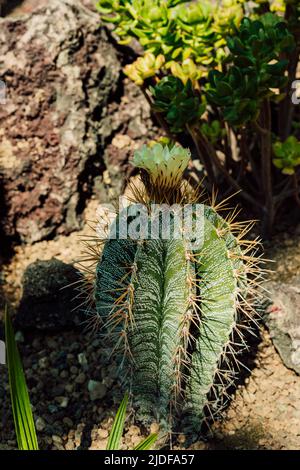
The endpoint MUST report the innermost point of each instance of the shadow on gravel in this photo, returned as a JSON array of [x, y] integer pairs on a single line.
[[7, 6], [243, 439]]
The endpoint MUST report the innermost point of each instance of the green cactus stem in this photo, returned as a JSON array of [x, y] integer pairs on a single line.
[[169, 310]]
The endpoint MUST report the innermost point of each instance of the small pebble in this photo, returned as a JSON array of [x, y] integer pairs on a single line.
[[43, 362], [68, 422], [82, 360], [19, 337], [80, 379], [69, 388], [103, 433], [62, 401], [40, 424], [154, 428], [56, 439], [97, 390]]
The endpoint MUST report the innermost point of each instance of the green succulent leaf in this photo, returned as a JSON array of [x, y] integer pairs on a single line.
[[118, 426], [257, 69], [147, 443], [287, 155], [22, 413], [178, 102]]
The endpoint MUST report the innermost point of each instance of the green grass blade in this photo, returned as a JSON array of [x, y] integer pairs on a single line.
[[23, 418], [147, 443], [118, 426]]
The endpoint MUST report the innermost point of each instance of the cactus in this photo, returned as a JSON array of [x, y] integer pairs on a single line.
[[172, 315]]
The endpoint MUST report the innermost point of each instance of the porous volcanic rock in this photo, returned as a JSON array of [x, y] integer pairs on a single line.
[[50, 300], [61, 72], [283, 320]]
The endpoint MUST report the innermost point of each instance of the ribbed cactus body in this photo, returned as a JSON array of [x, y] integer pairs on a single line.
[[173, 312], [168, 316], [218, 306], [161, 298]]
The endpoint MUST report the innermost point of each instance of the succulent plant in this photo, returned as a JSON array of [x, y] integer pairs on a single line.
[[256, 69], [287, 155], [187, 70], [179, 102], [171, 311], [237, 64], [175, 29], [144, 67], [213, 131]]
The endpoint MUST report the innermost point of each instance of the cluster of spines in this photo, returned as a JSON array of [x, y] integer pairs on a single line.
[[119, 321]]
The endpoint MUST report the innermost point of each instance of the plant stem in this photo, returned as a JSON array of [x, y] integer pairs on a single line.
[[266, 168], [244, 154], [217, 163], [287, 107], [296, 189], [202, 152], [228, 147], [158, 117]]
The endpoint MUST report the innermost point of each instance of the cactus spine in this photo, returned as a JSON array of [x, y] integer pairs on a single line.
[[171, 315]]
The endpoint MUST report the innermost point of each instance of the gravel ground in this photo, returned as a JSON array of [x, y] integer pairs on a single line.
[[75, 396]]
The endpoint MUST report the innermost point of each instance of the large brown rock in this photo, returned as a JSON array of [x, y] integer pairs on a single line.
[[283, 320], [50, 298], [61, 72]]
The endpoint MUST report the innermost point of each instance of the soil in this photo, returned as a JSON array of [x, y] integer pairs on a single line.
[[264, 413], [75, 396]]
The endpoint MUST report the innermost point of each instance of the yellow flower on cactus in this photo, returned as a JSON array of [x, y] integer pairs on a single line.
[[144, 67], [164, 166]]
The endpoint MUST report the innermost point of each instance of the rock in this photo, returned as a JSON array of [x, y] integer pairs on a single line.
[[198, 446], [69, 445], [19, 337], [47, 302], [68, 422], [133, 430], [98, 445], [19, 7], [82, 360], [154, 428], [43, 362], [80, 379], [102, 433], [6, 447], [52, 408], [57, 439], [54, 390], [69, 388], [97, 390], [61, 73], [283, 320], [62, 401], [40, 424]]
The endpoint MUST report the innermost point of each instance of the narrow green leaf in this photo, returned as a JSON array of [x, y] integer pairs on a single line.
[[118, 426], [147, 443], [23, 418]]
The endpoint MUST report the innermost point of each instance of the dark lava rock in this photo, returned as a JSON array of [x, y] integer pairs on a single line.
[[49, 297], [283, 320], [61, 73]]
